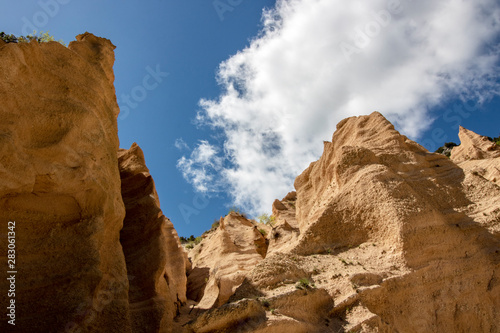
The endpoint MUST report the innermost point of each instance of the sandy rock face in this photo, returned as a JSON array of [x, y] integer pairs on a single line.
[[369, 180], [374, 186], [59, 181], [223, 259], [473, 147], [229, 318], [380, 236], [285, 228], [480, 160], [477, 155], [156, 261]]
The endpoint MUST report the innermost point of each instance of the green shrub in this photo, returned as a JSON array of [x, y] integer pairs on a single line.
[[263, 232], [440, 150], [266, 219], [304, 283], [450, 144], [191, 241], [8, 38], [234, 209], [265, 303], [343, 261], [446, 149]]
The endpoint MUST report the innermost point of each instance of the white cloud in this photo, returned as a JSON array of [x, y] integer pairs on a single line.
[[181, 144], [201, 167], [319, 61]]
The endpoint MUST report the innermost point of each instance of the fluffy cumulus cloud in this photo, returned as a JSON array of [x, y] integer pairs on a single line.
[[316, 62], [201, 167]]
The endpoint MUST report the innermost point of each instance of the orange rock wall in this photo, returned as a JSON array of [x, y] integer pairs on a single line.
[[60, 183], [155, 258]]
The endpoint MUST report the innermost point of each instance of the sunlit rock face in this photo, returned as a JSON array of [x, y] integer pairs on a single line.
[[59, 180]]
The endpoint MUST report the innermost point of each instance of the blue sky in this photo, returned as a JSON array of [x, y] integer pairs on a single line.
[[232, 122]]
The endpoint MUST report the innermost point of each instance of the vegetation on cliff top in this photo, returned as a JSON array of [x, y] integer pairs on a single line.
[[41, 37], [446, 149], [448, 146], [496, 140], [190, 241], [266, 219]]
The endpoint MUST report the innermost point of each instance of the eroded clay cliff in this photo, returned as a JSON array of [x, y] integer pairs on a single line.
[[373, 185], [222, 261], [156, 261], [478, 155], [94, 250], [473, 147], [381, 235], [60, 183]]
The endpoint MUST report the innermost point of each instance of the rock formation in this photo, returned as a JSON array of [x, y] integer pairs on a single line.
[[229, 318], [223, 259], [156, 261], [59, 181], [79, 247], [390, 238], [368, 182], [482, 178], [379, 235], [285, 228], [473, 147], [373, 185], [478, 155]]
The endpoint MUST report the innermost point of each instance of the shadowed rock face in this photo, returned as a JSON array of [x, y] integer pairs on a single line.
[[59, 181], [156, 262], [241, 316], [63, 184]]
